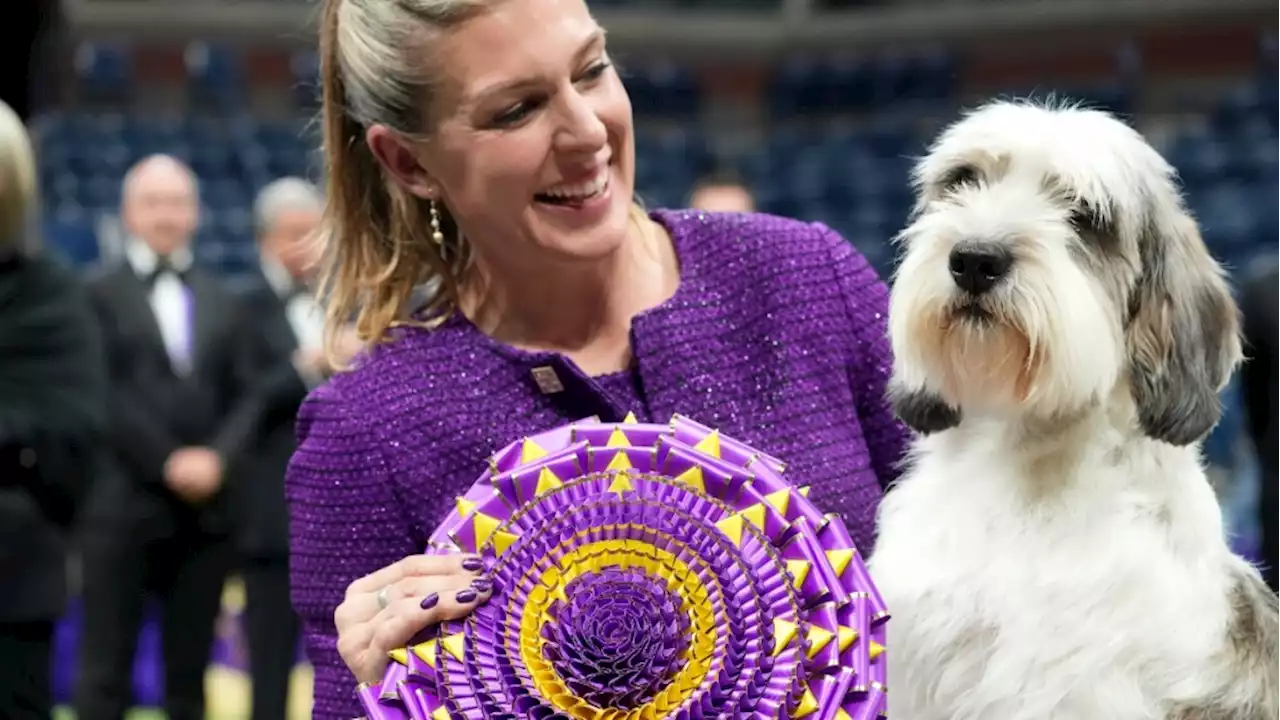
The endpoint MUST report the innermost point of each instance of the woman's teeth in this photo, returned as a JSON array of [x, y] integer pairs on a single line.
[[576, 192]]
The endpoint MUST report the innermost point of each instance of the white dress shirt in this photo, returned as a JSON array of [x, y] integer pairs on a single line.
[[301, 309], [170, 300]]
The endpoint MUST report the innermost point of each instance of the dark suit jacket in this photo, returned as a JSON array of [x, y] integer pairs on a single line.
[[52, 411], [155, 411], [1260, 384], [276, 393]]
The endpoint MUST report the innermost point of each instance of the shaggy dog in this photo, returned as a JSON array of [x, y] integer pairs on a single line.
[[1054, 550]]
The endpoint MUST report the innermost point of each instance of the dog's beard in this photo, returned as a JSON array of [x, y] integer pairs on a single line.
[[978, 355]]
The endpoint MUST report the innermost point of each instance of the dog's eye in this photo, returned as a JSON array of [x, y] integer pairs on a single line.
[[1086, 218], [963, 175]]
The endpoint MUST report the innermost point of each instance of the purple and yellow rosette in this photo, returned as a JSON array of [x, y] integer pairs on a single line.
[[646, 572]]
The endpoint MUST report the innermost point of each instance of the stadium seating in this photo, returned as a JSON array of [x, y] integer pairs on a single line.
[[841, 133]]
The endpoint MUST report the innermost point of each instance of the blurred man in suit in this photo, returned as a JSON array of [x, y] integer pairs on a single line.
[[286, 327], [157, 519], [1258, 378], [722, 192], [52, 412]]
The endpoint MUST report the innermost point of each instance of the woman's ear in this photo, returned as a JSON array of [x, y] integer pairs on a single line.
[[399, 159]]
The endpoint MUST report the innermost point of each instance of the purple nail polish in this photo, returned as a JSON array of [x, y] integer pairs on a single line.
[[482, 585], [430, 601], [473, 564], [465, 596]]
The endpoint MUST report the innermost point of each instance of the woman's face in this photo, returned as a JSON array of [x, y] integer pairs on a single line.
[[532, 149]]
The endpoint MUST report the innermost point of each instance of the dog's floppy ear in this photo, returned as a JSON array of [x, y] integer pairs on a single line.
[[1183, 336], [921, 410]]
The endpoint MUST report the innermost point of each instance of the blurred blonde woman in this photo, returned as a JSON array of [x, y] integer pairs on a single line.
[[482, 154], [52, 388]]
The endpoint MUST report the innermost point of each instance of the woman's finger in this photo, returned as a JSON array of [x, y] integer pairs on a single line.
[[406, 617], [415, 565]]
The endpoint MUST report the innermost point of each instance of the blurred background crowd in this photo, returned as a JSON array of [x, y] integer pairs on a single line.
[[811, 109]]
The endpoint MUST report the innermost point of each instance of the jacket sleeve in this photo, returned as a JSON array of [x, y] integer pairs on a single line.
[[137, 437], [261, 384], [51, 443], [866, 299], [345, 522]]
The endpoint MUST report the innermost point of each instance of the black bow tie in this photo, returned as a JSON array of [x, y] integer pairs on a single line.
[[165, 266]]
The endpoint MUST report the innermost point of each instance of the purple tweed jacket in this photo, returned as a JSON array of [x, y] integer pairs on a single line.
[[776, 336]]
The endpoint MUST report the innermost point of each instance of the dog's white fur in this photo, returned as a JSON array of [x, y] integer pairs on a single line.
[[1054, 550]]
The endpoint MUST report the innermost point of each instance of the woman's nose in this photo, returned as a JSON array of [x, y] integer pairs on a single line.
[[582, 128]]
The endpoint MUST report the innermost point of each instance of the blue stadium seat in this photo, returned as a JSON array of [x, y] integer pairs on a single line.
[[71, 232], [104, 73], [662, 89], [215, 77], [305, 68]]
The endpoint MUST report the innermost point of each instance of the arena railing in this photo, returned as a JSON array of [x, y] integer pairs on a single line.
[[791, 25]]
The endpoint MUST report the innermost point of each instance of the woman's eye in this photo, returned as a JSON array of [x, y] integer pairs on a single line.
[[597, 71], [520, 111], [514, 114]]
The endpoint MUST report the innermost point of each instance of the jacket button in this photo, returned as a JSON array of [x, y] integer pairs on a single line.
[[547, 379], [27, 458]]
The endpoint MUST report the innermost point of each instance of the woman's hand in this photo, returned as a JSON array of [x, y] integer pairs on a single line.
[[385, 609]]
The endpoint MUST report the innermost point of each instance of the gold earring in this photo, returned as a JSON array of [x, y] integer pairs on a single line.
[[437, 236]]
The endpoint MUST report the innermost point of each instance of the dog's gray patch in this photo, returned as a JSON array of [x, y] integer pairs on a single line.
[[1251, 659], [923, 411]]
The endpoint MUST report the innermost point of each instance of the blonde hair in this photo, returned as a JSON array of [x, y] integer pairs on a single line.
[[19, 191], [378, 244]]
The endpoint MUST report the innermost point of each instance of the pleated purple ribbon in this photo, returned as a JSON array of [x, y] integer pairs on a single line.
[[642, 572]]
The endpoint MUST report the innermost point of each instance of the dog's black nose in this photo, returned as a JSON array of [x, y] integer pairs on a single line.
[[978, 269]]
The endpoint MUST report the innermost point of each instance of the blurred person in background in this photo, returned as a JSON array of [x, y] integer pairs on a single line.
[[722, 192], [491, 146], [32, 54], [52, 411], [1259, 299], [286, 327], [157, 519]]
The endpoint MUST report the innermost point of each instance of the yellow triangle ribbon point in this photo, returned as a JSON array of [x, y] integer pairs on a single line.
[[819, 638], [875, 651], [427, 652], [846, 637], [619, 461], [454, 644], [531, 451], [464, 506], [503, 540], [710, 444], [732, 528], [799, 570], [693, 478], [621, 484], [484, 526], [780, 499], [808, 705], [630, 419], [400, 655], [617, 438], [840, 560], [547, 481], [784, 631], [755, 514]]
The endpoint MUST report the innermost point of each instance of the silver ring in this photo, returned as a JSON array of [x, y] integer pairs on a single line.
[[383, 597]]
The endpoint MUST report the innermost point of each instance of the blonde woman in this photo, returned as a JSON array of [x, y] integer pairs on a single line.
[[52, 402], [487, 146]]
